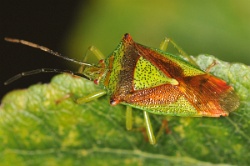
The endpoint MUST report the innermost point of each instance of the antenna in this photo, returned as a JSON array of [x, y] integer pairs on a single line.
[[42, 70], [45, 49]]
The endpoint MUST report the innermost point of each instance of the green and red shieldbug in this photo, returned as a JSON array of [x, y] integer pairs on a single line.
[[153, 81]]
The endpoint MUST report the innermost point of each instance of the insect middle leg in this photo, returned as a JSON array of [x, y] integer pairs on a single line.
[[148, 126], [129, 121], [149, 129]]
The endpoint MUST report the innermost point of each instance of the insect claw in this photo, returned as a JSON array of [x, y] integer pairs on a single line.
[[114, 102]]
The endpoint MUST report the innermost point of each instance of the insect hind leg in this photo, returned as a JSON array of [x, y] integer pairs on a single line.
[[163, 128], [164, 45], [208, 69]]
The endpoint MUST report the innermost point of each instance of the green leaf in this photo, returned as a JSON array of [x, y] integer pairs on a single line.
[[42, 125]]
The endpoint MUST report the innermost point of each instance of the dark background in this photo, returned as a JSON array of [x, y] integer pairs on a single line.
[[43, 22]]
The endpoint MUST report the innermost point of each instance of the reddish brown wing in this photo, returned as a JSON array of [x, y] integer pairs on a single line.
[[210, 95]]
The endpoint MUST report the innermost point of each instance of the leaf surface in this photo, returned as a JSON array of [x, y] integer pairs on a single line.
[[42, 125]]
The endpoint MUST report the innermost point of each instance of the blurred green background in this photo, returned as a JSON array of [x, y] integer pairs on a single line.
[[220, 28]]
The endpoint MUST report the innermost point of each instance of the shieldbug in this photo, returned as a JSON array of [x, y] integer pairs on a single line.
[[153, 81]]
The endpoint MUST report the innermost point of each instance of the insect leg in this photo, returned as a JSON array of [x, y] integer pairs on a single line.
[[91, 97], [208, 69], [149, 128], [129, 121], [164, 127], [164, 46], [96, 52]]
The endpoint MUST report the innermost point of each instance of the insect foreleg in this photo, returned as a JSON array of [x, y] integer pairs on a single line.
[[91, 96], [98, 54]]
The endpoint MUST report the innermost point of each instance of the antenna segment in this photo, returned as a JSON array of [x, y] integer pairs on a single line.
[[42, 70], [45, 49]]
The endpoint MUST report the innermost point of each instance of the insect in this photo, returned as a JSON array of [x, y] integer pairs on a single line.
[[153, 81]]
